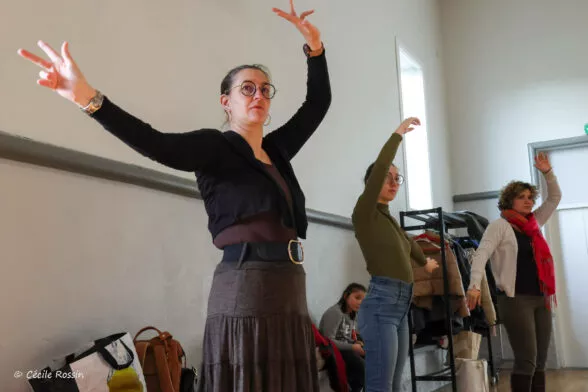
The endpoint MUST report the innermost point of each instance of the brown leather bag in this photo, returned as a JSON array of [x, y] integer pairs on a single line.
[[161, 360]]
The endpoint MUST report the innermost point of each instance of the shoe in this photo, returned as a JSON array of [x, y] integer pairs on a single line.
[[520, 382], [538, 383]]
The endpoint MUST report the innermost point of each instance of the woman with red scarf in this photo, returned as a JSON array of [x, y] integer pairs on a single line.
[[523, 267]]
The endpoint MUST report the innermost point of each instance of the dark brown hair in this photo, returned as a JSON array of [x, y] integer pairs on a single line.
[[352, 288], [229, 78], [369, 171], [512, 190]]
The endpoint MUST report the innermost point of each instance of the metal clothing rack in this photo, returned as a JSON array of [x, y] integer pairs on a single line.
[[491, 365], [441, 221], [438, 220]]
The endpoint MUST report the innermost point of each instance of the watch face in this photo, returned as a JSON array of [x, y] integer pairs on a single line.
[[96, 102]]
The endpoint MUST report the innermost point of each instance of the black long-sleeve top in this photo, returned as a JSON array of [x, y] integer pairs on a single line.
[[233, 183]]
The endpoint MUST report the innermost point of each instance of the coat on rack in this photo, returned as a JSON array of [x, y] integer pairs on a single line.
[[428, 285]]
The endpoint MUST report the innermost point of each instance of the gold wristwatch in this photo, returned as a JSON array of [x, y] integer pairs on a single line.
[[95, 103]]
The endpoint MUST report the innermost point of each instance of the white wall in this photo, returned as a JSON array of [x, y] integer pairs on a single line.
[[516, 73], [85, 258], [88, 258], [63, 236], [164, 64], [366, 107]]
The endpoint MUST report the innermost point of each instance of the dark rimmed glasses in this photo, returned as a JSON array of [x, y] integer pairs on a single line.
[[248, 89]]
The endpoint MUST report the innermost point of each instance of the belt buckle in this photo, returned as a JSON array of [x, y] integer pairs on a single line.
[[298, 262]]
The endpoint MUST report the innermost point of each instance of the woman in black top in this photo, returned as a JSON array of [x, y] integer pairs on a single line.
[[258, 334]]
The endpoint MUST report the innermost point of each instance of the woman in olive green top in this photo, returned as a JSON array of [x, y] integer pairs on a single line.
[[382, 319]]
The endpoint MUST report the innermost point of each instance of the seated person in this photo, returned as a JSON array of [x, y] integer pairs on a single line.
[[339, 324]]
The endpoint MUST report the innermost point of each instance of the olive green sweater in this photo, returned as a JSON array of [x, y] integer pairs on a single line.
[[385, 246]]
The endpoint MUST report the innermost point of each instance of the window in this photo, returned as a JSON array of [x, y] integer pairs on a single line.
[[412, 100]]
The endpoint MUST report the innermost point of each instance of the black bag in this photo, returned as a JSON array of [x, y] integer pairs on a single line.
[[188, 380]]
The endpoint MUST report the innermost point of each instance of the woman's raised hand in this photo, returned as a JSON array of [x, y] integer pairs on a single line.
[[542, 162], [308, 30], [407, 125], [61, 74]]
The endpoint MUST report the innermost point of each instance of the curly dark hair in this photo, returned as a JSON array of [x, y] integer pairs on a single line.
[[512, 190]]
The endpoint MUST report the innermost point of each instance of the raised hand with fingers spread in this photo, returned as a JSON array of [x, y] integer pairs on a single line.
[[308, 30], [61, 73]]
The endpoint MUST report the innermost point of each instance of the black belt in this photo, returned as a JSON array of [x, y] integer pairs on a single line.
[[265, 251]]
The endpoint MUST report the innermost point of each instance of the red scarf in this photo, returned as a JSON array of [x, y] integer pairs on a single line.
[[543, 259]]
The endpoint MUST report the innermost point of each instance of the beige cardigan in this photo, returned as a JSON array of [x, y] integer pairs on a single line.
[[499, 243]]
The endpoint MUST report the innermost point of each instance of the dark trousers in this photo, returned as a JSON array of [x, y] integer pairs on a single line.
[[355, 369], [528, 325]]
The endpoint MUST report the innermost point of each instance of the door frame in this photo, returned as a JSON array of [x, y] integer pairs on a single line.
[[552, 145], [534, 149]]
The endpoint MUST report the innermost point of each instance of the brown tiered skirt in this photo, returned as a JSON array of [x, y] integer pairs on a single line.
[[258, 334]]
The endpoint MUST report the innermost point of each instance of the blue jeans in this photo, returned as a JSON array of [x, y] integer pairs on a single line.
[[383, 325]]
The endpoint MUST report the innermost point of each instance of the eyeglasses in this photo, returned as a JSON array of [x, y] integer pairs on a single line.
[[391, 180], [248, 89]]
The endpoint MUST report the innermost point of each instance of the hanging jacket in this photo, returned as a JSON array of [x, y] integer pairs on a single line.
[[334, 362], [428, 285], [476, 226]]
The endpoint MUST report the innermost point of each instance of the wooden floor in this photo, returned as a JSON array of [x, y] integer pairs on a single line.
[[557, 381]]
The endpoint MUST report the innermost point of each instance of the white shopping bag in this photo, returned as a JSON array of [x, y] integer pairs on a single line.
[[107, 365], [472, 375]]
